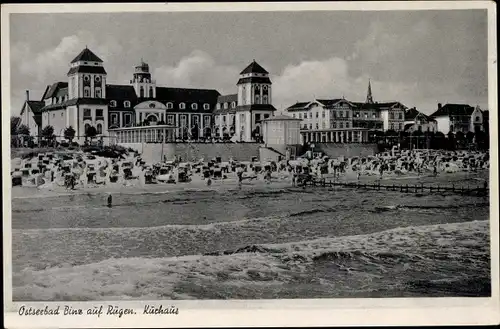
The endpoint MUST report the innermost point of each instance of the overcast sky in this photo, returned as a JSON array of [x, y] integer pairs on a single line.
[[419, 58]]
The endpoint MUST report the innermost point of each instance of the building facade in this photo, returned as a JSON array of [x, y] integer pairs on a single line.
[[458, 117], [87, 100], [239, 116], [342, 121], [418, 121]]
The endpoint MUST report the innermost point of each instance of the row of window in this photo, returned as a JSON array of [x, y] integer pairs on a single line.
[[98, 128], [169, 105], [393, 115], [231, 120], [87, 114], [97, 92], [365, 115], [309, 115]]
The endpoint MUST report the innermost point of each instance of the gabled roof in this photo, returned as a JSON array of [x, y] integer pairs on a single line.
[[87, 56], [330, 102], [52, 90], [298, 106], [36, 106], [227, 98], [254, 67], [120, 92], [411, 114], [453, 109], [166, 94]]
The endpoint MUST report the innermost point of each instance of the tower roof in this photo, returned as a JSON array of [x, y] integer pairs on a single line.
[[86, 55], [369, 97], [254, 67]]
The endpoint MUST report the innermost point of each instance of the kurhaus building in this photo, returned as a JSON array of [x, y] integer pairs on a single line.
[[340, 120], [87, 100]]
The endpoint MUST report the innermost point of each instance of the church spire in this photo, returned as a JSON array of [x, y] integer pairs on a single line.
[[369, 97]]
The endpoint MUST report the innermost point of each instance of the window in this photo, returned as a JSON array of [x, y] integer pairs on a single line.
[[264, 99], [366, 115], [293, 115], [391, 116], [341, 124], [87, 114], [300, 115], [317, 115], [400, 116], [99, 129], [98, 92], [226, 106], [141, 92], [182, 106], [206, 106], [196, 120], [62, 113], [206, 119], [477, 118], [194, 106], [304, 127], [310, 115], [233, 105], [128, 119], [266, 116], [374, 115], [324, 114], [170, 119], [183, 120], [126, 103], [341, 114], [112, 103], [317, 125], [311, 126], [86, 92], [97, 78], [218, 106], [151, 92], [114, 118], [257, 99], [242, 117], [87, 126], [224, 119], [99, 114], [170, 106], [86, 78], [257, 118]]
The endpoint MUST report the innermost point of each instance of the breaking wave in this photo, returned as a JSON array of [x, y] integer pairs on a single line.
[[439, 259]]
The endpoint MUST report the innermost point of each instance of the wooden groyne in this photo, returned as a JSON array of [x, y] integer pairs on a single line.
[[404, 188]]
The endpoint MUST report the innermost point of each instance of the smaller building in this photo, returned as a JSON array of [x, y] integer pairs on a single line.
[[458, 117], [132, 136], [31, 115], [418, 121], [281, 135]]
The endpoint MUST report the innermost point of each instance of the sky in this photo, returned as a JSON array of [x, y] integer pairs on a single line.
[[419, 58]]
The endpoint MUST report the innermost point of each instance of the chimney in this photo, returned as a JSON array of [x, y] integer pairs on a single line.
[[439, 106], [27, 95]]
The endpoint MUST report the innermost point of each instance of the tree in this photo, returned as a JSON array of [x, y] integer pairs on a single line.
[[23, 130], [14, 124], [69, 134], [48, 133]]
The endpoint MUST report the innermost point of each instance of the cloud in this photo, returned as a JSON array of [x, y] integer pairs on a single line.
[[198, 70], [35, 70]]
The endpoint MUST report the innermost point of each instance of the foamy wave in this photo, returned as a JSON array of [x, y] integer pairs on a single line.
[[322, 267]]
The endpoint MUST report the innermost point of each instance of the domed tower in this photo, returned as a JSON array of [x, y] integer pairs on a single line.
[[144, 86], [86, 77], [254, 102]]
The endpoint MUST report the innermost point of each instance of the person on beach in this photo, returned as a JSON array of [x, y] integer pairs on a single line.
[[110, 200], [435, 172], [239, 174], [294, 178], [209, 181], [359, 175]]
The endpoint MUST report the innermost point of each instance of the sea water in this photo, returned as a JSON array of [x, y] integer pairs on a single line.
[[253, 242]]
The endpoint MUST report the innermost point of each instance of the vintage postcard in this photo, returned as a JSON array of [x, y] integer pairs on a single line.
[[250, 164]]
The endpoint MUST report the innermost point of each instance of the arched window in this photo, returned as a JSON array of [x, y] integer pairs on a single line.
[[226, 105], [98, 92], [182, 106], [126, 103], [99, 128], [218, 106], [150, 91], [257, 99], [86, 92], [141, 92], [170, 106], [233, 105], [206, 106], [112, 103], [194, 106], [264, 99], [87, 126]]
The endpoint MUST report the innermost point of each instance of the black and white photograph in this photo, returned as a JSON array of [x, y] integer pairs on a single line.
[[232, 155]]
